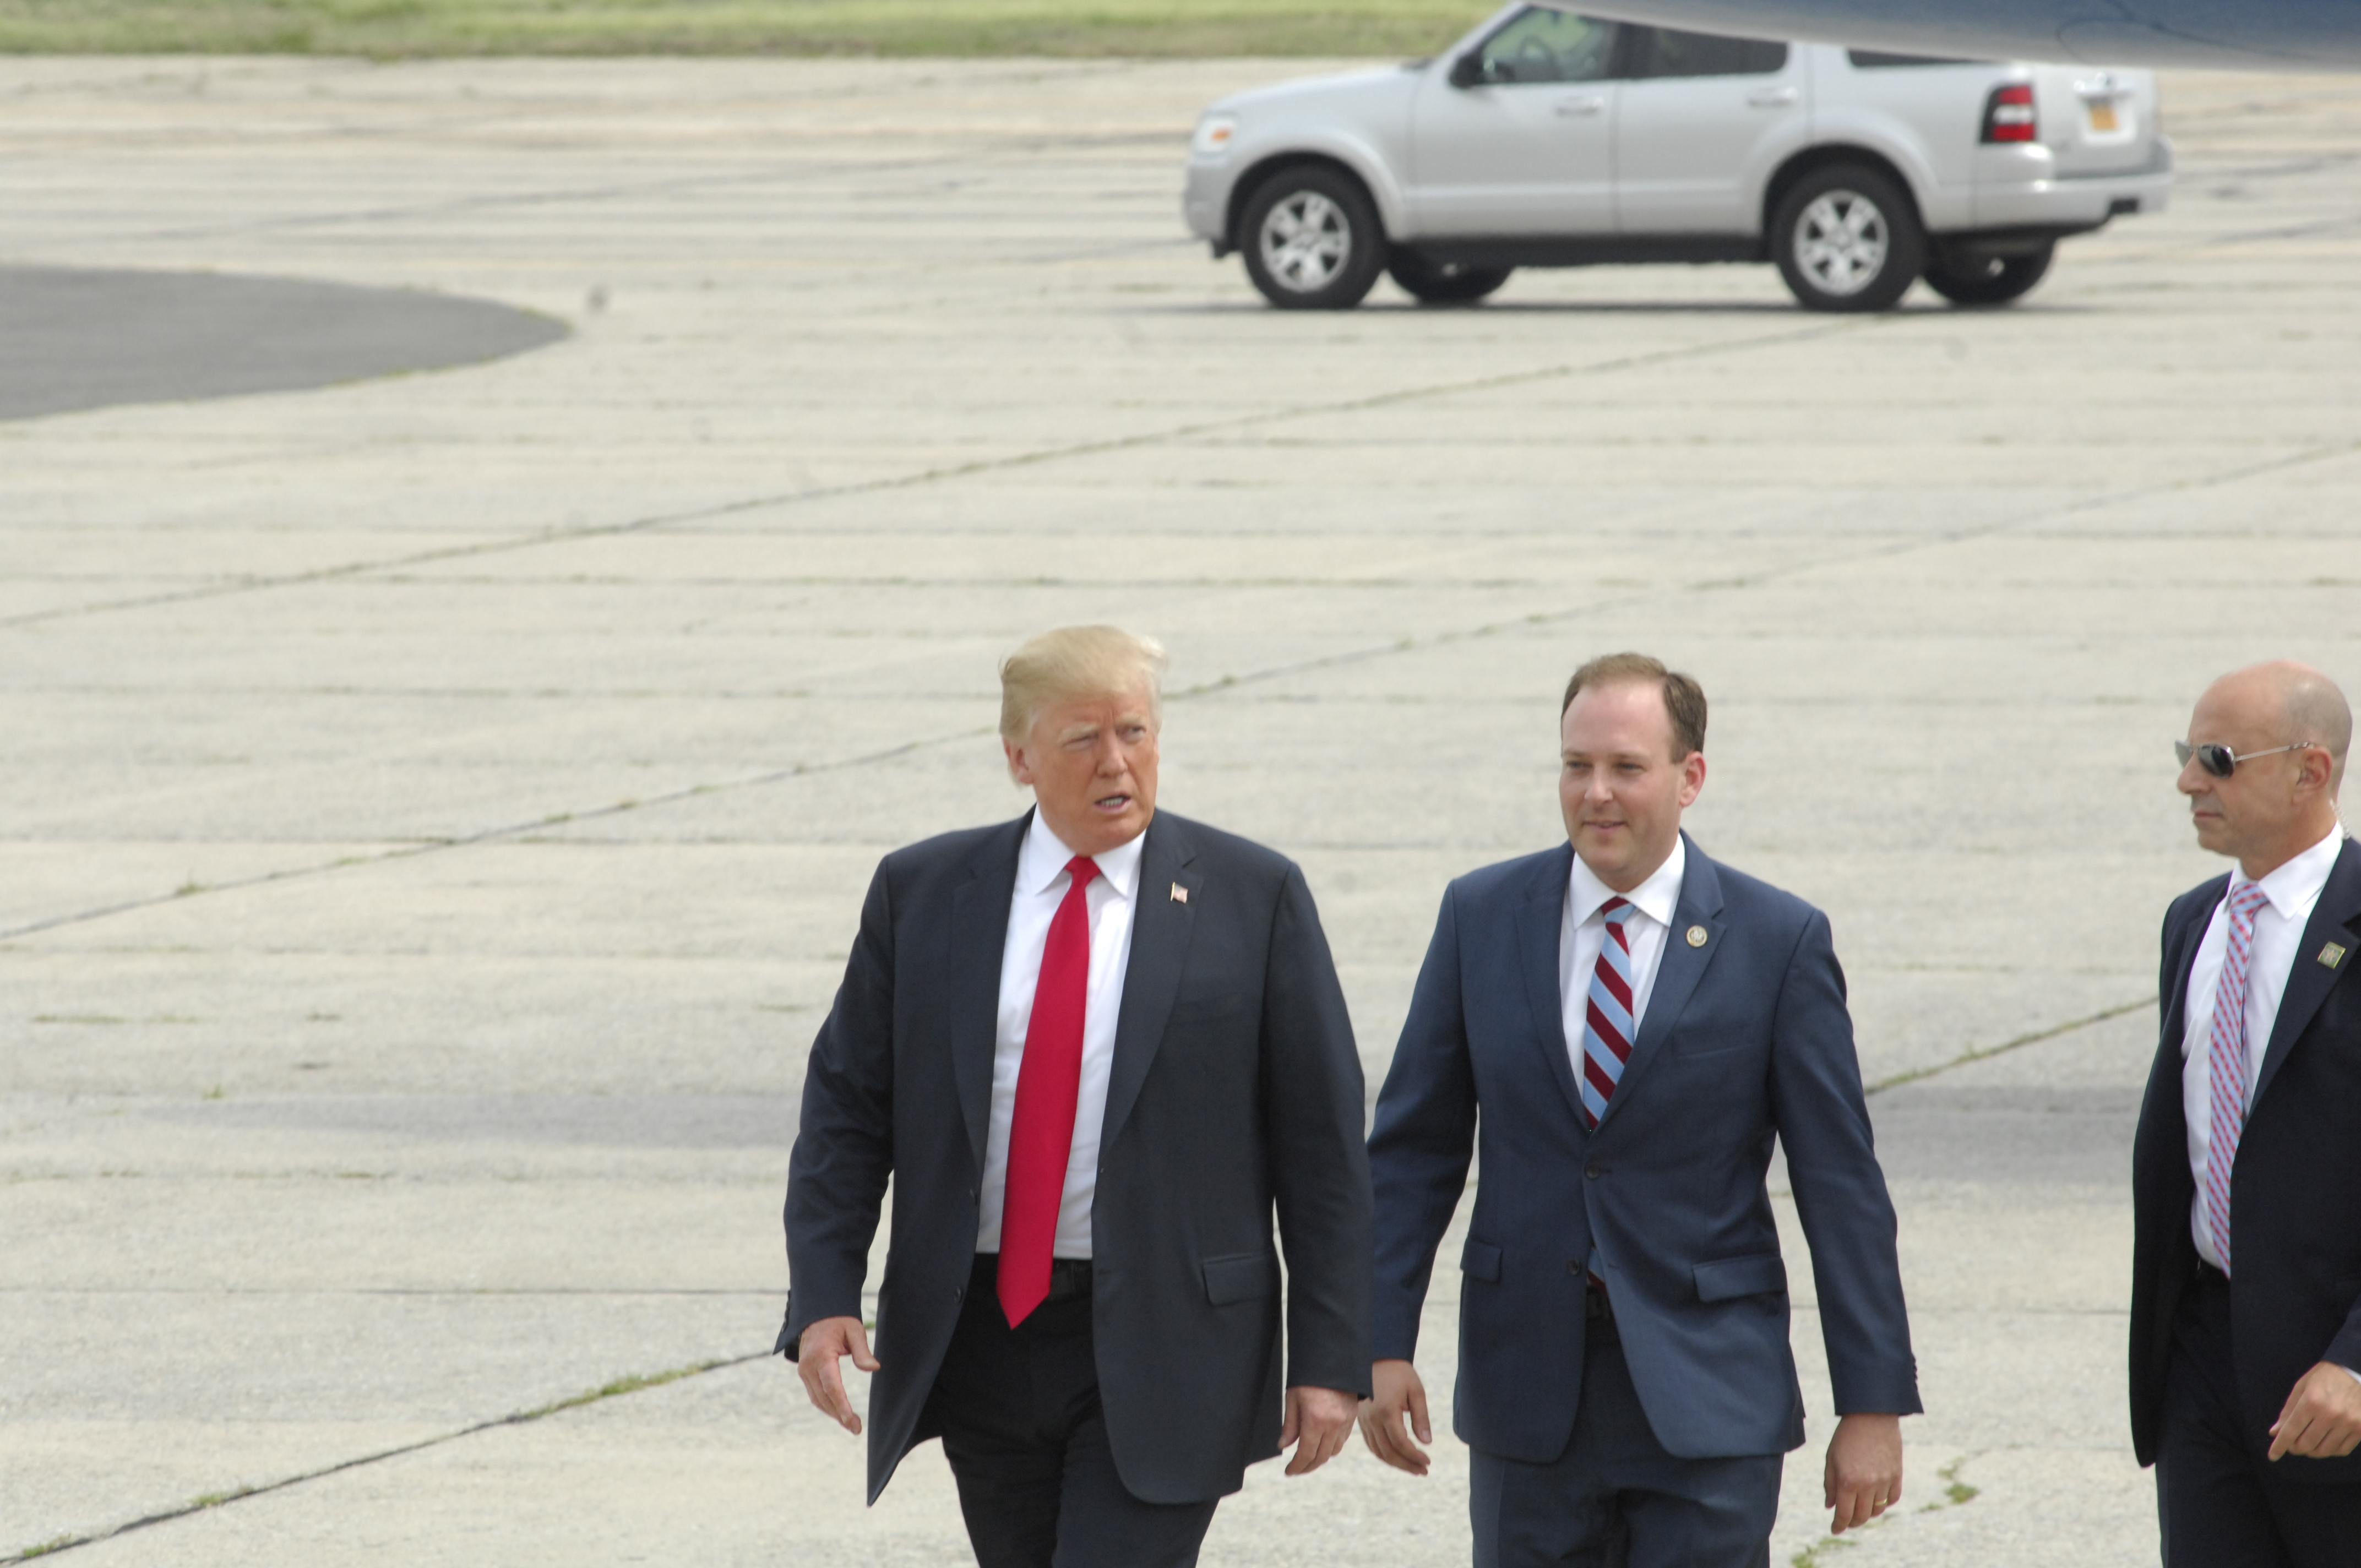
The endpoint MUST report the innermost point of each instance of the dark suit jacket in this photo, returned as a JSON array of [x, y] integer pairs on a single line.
[[1745, 1037], [1235, 1091], [2295, 1190]]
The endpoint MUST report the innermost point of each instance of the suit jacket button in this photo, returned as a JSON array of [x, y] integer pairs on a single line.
[[958, 1291], [1573, 1266], [1594, 1171]]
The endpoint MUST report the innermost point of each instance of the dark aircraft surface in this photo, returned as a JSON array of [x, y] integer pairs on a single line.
[[2264, 35]]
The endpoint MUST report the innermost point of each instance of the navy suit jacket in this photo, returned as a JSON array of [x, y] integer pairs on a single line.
[[1234, 1094], [1745, 1040], [2295, 1189]]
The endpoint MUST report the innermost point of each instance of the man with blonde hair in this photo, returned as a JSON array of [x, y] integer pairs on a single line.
[[2246, 1352], [1097, 1049]]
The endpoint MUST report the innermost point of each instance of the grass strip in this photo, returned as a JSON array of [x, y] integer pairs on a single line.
[[409, 29], [199, 1504]]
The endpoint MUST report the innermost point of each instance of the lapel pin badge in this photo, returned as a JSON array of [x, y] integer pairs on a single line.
[[1696, 935], [2332, 955], [1180, 893]]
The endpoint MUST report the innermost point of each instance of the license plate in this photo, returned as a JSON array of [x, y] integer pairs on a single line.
[[2102, 117]]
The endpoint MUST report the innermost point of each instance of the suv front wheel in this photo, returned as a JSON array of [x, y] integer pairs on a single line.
[[1312, 239], [1846, 238]]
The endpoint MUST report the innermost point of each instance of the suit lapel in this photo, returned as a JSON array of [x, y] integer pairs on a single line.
[[2310, 981], [1541, 927], [1160, 927], [2162, 1102], [1678, 972], [979, 933], [2187, 940]]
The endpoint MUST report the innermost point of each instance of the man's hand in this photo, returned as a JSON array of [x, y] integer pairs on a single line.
[[1318, 1422], [2321, 1417], [816, 1361], [1396, 1393], [1864, 1473]]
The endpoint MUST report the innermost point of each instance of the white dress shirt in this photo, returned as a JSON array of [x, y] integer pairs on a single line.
[[1584, 931], [2291, 891], [1041, 886]]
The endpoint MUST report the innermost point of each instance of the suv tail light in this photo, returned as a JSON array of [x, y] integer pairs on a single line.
[[2008, 114]]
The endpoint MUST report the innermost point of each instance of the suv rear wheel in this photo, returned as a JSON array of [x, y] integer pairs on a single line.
[[1442, 282], [1988, 279], [1312, 239], [1846, 238]]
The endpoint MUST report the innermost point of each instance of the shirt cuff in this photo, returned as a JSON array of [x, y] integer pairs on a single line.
[[2354, 1375]]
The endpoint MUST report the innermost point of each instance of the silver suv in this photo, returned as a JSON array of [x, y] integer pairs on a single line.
[[1549, 139]]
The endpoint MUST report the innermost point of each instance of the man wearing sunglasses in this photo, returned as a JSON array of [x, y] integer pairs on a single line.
[[2247, 1172]]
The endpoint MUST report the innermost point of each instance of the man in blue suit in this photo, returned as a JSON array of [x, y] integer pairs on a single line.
[[2246, 1354], [1625, 1027]]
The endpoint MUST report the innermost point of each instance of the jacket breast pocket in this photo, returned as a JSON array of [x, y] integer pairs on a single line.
[[1480, 1260], [1244, 1277], [1762, 1275]]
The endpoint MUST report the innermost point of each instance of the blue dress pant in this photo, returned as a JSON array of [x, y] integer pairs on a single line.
[[2220, 1503], [1615, 1498]]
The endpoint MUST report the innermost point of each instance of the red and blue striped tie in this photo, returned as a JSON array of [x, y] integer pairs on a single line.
[[1608, 1029]]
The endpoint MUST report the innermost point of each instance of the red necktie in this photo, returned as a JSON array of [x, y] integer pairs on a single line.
[[1041, 1126]]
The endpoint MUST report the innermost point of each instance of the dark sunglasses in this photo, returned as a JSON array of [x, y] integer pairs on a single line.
[[2218, 760]]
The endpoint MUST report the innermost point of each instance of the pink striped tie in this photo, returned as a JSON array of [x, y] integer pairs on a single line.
[[2226, 1060]]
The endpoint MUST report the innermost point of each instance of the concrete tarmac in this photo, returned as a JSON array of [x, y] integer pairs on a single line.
[[436, 807]]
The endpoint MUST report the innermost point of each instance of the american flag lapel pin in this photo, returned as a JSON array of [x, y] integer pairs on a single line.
[[1180, 893]]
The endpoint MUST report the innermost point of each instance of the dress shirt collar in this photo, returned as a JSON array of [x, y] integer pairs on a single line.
[[1656, 896], [2294, 886], [1043, 859]]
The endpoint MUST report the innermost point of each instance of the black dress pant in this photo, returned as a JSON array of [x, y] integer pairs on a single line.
[[1027, 1442], [2220, 1503]]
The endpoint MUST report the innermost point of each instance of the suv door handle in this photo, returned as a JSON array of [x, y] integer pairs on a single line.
[[1572, 106], [1772, 98]]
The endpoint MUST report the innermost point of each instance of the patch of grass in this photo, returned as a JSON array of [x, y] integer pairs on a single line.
[[55, 1543], [389, 29], [630, 1385], [215, 1499]]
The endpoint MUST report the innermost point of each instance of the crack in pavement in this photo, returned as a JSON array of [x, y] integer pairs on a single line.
[[1985, 1053], [948, 472], [1227, 682], [620, 1387]]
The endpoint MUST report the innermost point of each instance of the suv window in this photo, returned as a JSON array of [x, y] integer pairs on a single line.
[[1547, 45], [1663, 51], [1874, 60]]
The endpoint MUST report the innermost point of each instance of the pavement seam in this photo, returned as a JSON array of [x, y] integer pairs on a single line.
[[1985, 1053], [1226, 682], [951, 471], [620, 1387]]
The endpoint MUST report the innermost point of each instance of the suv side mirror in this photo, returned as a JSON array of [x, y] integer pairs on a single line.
[[1467, 71]]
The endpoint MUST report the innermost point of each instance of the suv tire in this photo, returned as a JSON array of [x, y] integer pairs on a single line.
[[1312, 239], [1989, 280], [1442, 282], [1847, 238]]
